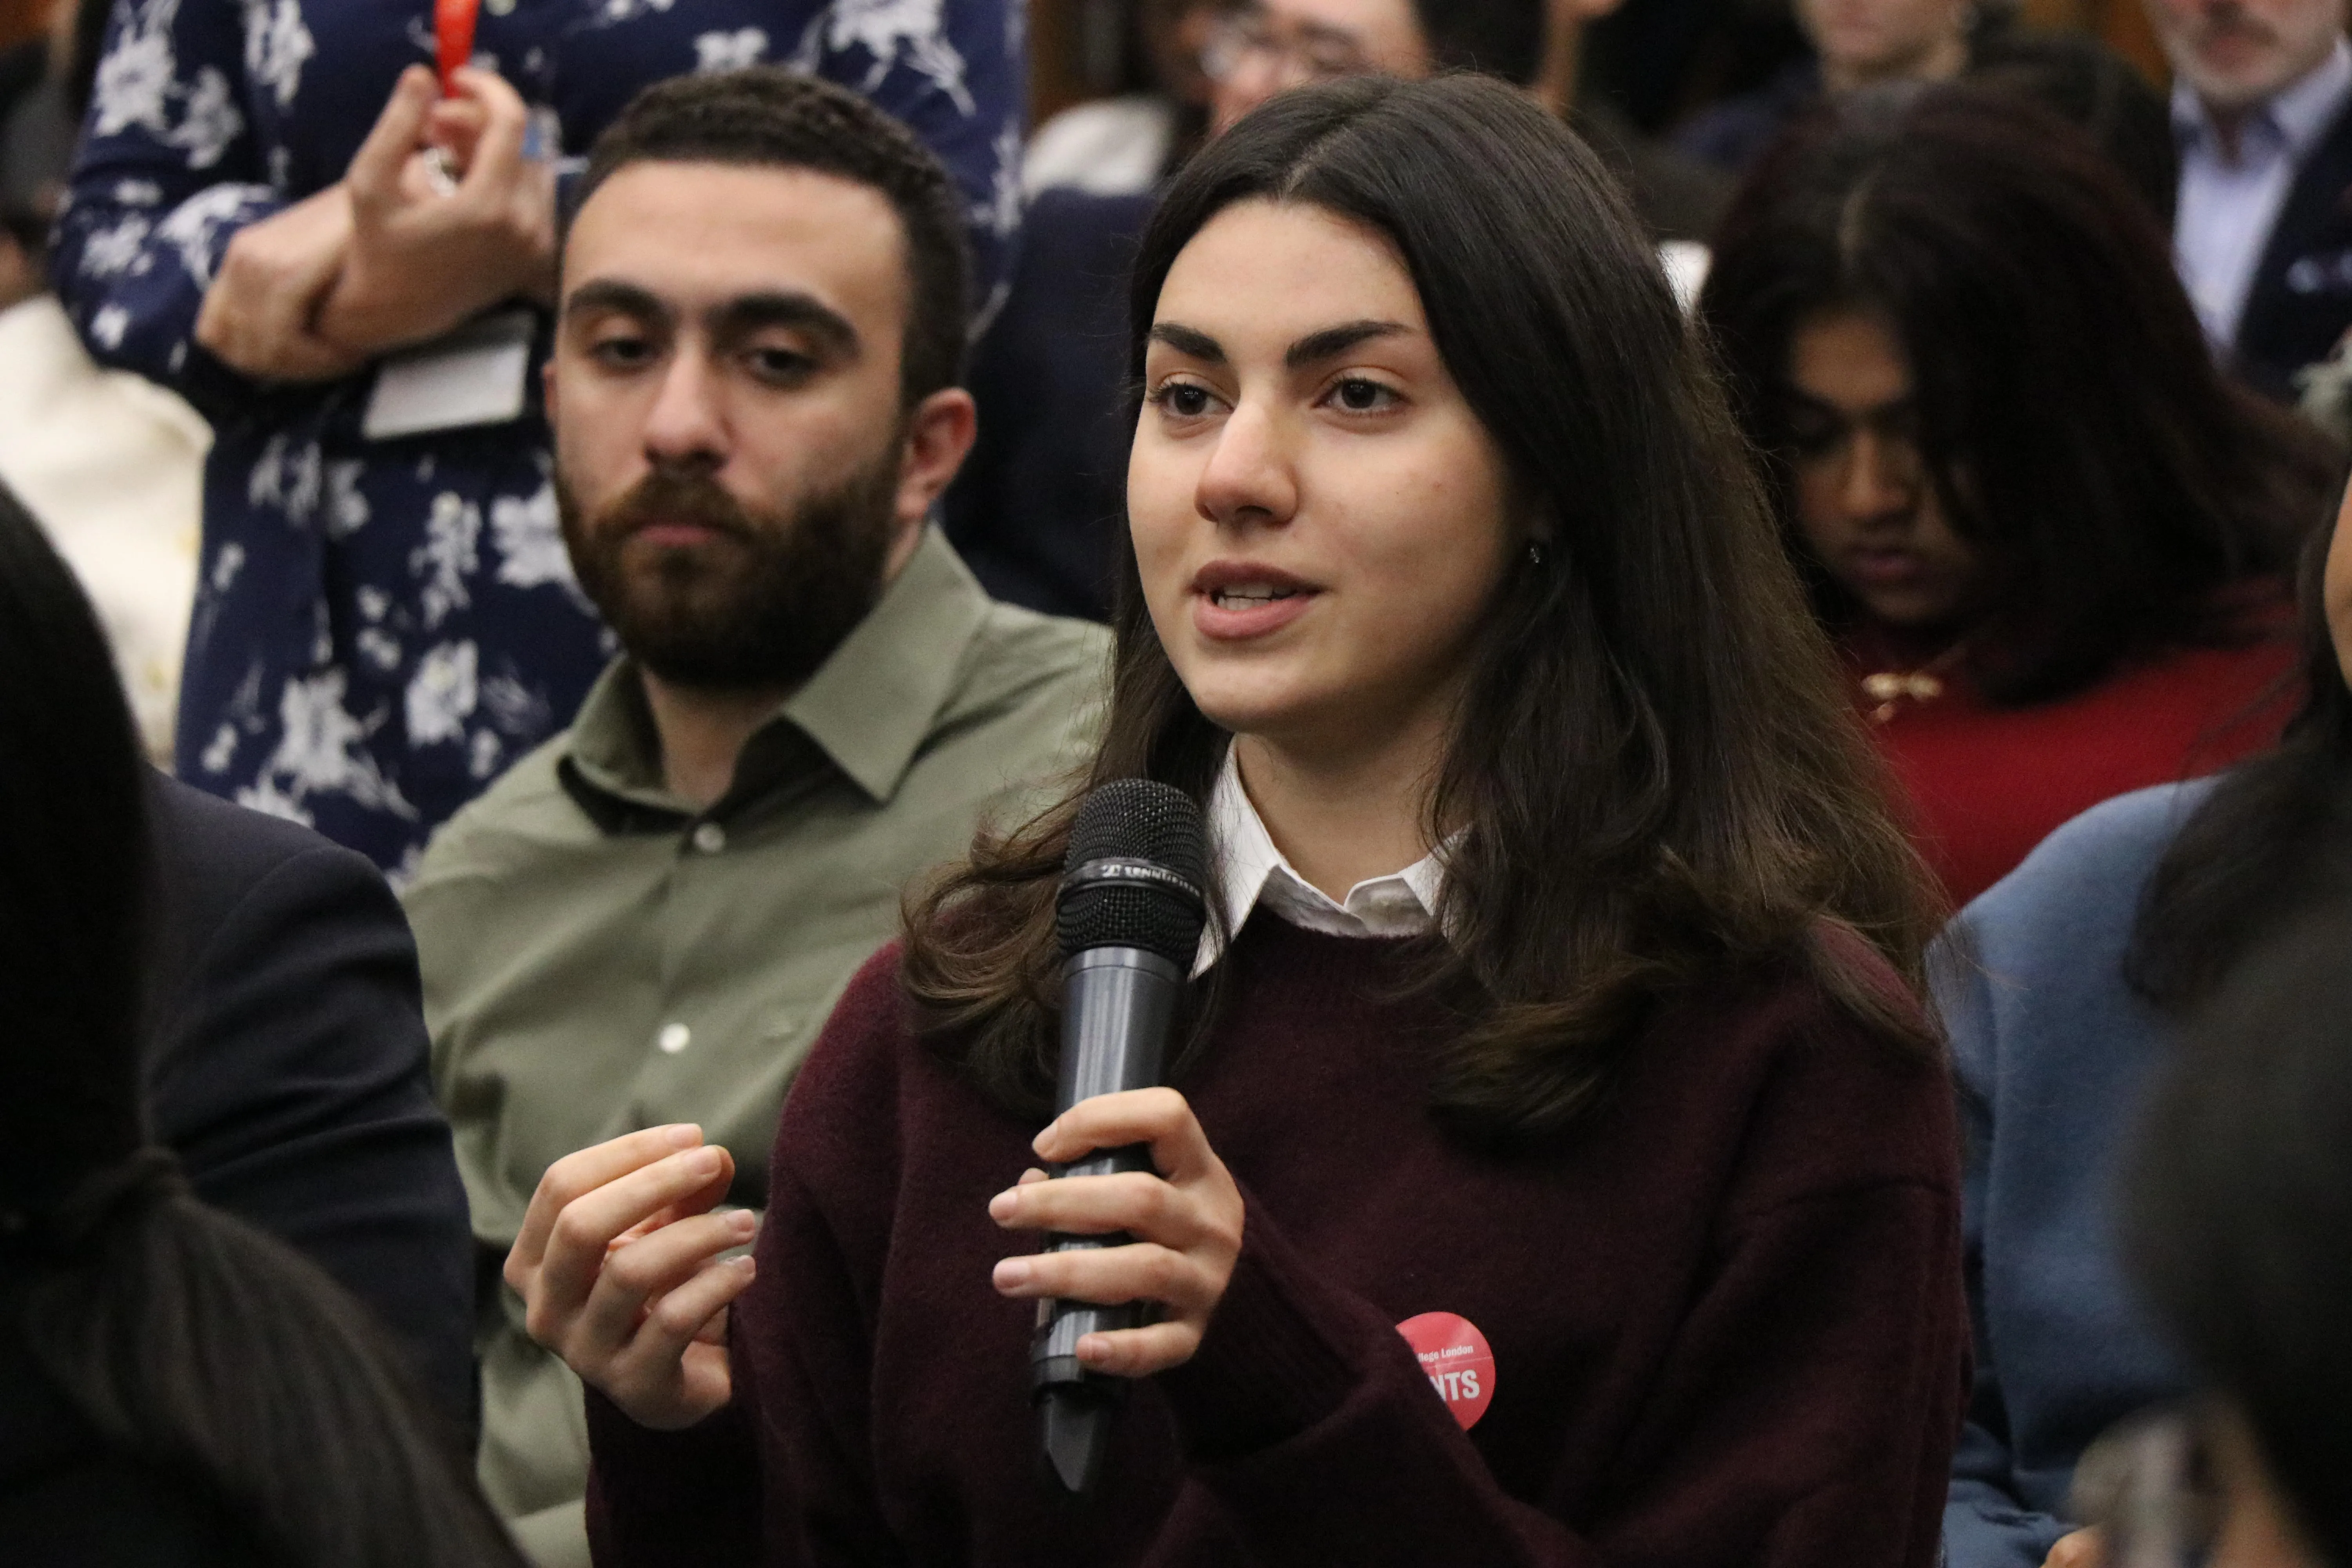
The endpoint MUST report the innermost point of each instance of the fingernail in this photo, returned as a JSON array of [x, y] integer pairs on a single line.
[[685, 1135], [742, 1222], [747, 1265], [1001, 1206], [1012, 1273], [703, 1163], [1094, 1349]]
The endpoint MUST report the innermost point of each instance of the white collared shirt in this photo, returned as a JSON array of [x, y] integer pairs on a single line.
[[2229, 205], [1252, 871]]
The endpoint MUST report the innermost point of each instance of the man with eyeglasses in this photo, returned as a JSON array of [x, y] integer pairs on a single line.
[[1037, 507], [1261, 49]]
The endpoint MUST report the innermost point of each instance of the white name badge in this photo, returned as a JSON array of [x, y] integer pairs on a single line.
[[474, 375]]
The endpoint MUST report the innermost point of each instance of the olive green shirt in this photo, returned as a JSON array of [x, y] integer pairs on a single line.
[[599, 956]]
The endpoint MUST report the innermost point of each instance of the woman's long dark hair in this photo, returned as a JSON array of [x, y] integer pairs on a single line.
[[2071, 416], [2274, 836], [186, 1340], [1654, 778]]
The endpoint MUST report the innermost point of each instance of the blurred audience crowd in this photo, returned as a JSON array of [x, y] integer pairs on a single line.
[[529, 543]]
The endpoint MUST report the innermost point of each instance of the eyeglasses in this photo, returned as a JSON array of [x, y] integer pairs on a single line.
[[1251, 40], [2148, 1484]]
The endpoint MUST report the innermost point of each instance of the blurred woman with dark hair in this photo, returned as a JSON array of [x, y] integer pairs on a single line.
[[2238, 1229], [2049, 535], [2063, 988], [1553, 1003], [175, 1387]]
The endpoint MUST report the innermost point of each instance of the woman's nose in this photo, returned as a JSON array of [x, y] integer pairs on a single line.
[[1250, 475], [1880, 477]]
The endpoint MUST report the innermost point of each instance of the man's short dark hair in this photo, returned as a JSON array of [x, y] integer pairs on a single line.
[[765, 117], [1500, 37]]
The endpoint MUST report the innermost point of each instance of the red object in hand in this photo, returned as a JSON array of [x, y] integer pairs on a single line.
[[453, 36]]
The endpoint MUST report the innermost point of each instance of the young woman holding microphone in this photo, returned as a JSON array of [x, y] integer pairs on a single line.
[[1556, 996]]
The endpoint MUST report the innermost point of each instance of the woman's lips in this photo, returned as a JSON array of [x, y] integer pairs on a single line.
[[1887, 568], [1245, 611], [1234, 600]]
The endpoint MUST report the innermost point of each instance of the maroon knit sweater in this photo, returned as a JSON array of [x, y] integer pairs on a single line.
[[1726, 1313]]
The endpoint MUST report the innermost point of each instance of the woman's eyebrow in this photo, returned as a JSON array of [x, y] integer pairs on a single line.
[[1800, 401], [1317, 346], [1333, 341], [1189, 341]]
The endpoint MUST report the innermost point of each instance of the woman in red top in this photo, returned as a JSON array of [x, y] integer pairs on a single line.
[[2051, 537], [1552, 1008]]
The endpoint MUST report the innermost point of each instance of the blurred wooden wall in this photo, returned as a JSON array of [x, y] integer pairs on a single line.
[[1074, 52], [2121, 25], [20, 19]]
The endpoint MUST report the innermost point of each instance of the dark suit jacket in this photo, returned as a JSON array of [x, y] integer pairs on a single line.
[[1037, 508], [2301, 301], [287, 1067]]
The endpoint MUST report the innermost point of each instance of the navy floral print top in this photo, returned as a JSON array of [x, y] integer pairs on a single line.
[[381, 627]]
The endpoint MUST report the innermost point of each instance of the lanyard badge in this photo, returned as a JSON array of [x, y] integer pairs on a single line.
[[453, 36]]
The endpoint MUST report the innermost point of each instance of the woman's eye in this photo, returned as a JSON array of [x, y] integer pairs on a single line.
[[1181, 399], [1813, 438], [1356, 395]]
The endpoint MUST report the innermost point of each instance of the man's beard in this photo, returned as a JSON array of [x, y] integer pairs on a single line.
[[758, 609]]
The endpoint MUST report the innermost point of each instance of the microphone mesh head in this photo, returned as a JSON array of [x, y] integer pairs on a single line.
[[1137, 819]]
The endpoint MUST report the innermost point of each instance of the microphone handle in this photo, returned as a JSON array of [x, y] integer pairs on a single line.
[[1117, 1004]]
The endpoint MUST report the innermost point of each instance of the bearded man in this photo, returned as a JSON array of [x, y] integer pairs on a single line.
[[754, 400]]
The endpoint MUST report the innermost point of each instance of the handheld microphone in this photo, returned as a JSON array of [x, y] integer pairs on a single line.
[[1130, 915]]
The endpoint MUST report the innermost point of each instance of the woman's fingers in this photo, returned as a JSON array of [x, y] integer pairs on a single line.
[[496, 155], [618, 1265], [1111, 1276], [637, 1279], [580, 1243], [1157, 1117], [673, 1370], [1135, 1201], [1139, 1353], [2083, 1548], [427, 252], [1186, 1217], [374, 172], [454, 125], [681, 1317], [583, 1232], [257, 314], [577, 1174]]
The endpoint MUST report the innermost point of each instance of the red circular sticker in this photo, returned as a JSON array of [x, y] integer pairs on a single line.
[[1459, 1362]]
